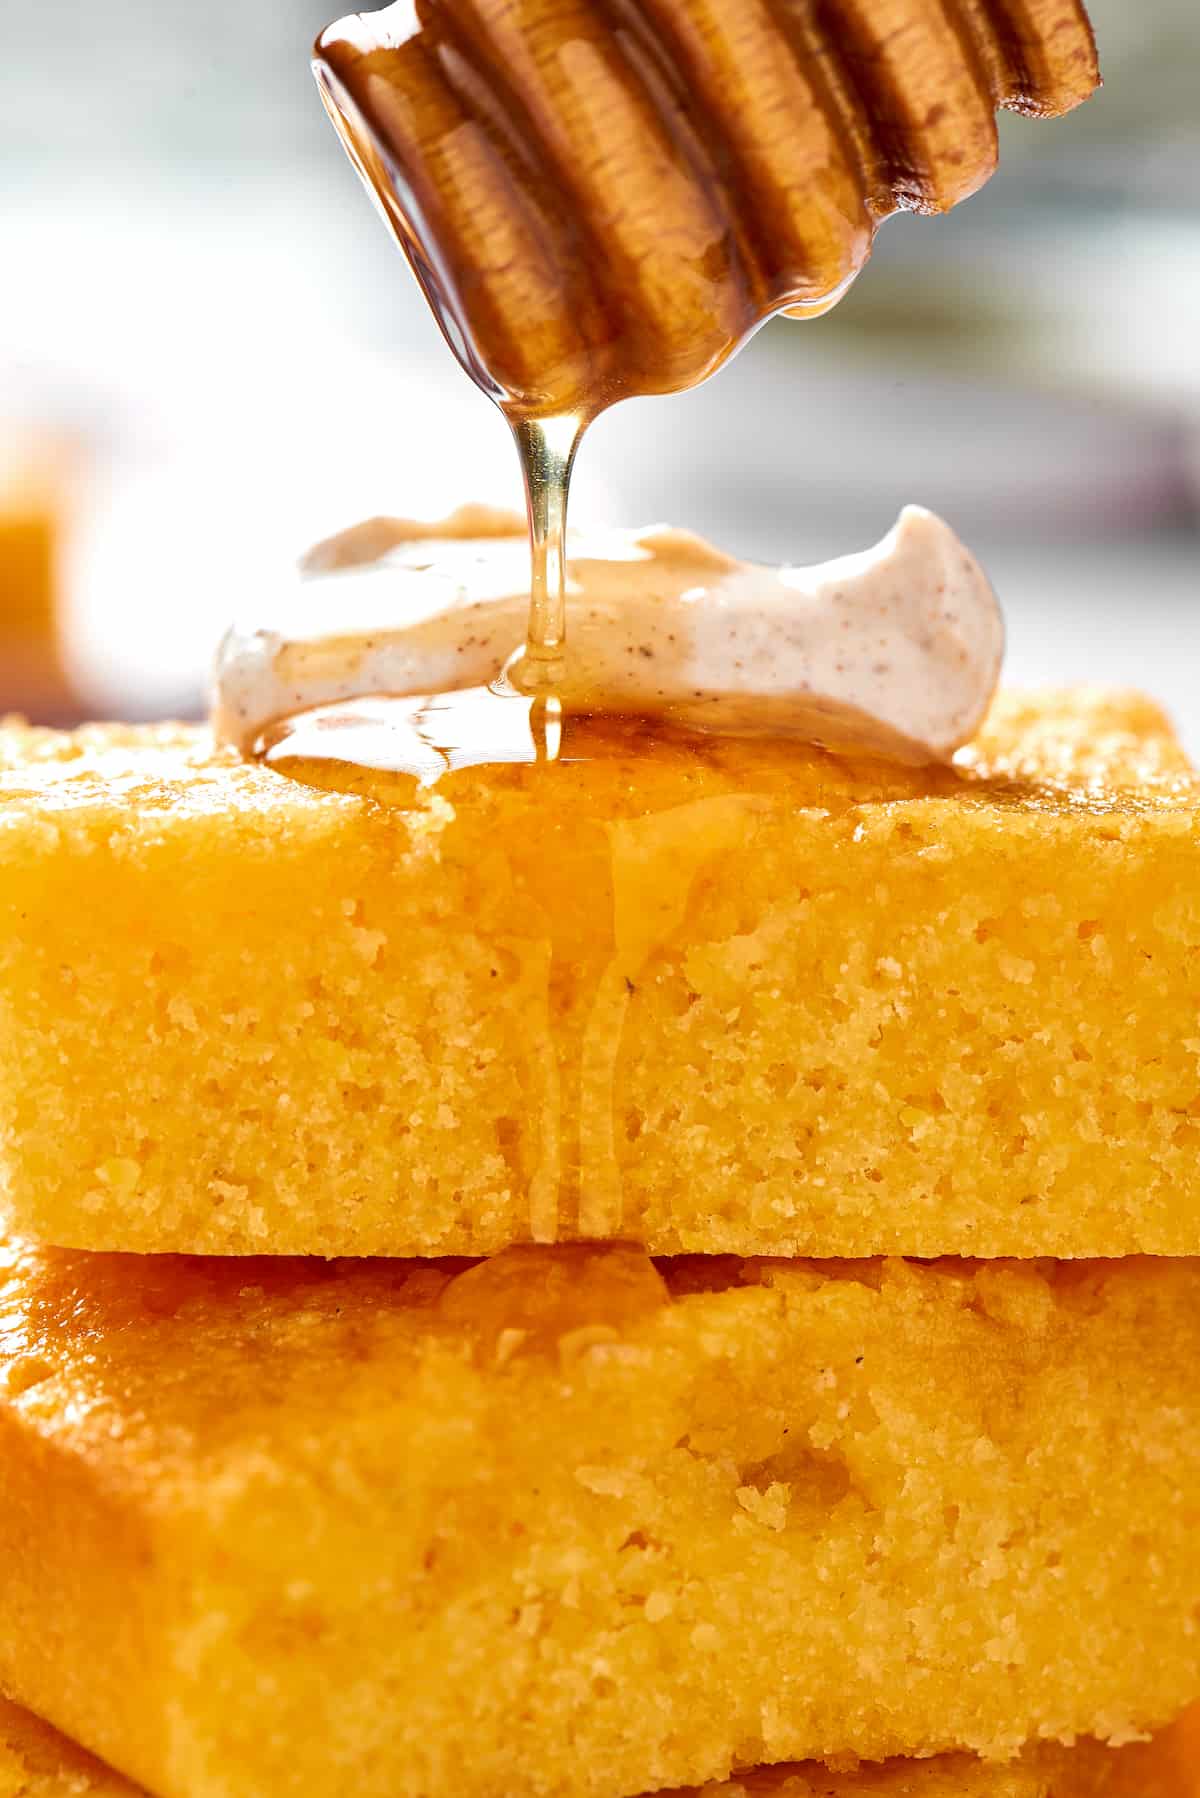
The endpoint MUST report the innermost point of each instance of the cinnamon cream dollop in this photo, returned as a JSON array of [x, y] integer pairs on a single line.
[[895, 650]]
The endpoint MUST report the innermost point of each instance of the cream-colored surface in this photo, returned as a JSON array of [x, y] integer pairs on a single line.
[[896, 649]]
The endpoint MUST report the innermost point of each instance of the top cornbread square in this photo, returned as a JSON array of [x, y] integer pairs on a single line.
[[718, 997]]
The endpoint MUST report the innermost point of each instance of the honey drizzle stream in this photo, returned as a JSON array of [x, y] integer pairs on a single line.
[[546, 447], [602, 198]]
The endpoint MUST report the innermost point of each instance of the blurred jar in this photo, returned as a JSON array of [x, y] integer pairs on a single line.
[[37, 477]]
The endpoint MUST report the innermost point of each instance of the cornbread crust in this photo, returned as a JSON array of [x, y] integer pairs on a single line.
[[721, 997], [564, 1524], [36, 1762], [1167, 1767]]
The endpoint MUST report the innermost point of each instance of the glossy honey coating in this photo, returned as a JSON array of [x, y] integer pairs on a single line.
[[713, 996], [604, 199], [264, 1525]]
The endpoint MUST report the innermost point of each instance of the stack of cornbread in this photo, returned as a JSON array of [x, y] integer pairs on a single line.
[[890, 1454]]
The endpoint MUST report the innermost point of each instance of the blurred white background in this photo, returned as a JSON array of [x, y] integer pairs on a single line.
[[198, 295]]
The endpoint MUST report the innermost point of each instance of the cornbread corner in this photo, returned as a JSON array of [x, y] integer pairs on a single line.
[[727, 997], [264, 1524], [36, 1762]]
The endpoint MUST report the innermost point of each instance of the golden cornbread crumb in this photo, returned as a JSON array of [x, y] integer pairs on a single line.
[[37, 1762], [708, 995], [567, 1524]]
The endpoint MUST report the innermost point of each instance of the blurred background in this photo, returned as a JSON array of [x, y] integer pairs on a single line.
[[211, 355]]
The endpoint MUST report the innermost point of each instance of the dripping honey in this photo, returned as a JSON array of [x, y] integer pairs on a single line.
[[602, 200], [644, 809]]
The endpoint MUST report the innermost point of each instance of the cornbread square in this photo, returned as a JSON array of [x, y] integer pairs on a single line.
[[36, 1762], [708, 995], [567, 1523]]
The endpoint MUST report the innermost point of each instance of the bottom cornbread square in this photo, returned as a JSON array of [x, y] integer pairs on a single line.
[[37, 1762], [567, 1522]]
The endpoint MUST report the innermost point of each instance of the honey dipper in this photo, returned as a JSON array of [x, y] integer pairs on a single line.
[[605, 197]]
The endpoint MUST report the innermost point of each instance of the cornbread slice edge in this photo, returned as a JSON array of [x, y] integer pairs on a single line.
[[620, 1507]]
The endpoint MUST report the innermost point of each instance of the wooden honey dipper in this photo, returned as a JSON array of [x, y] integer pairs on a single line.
[[603, 198]]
